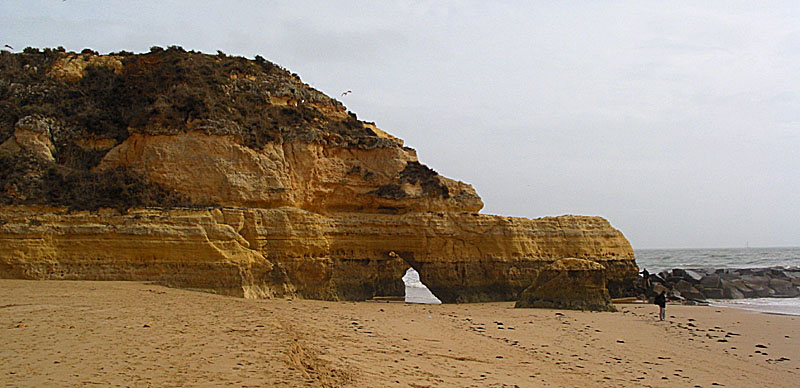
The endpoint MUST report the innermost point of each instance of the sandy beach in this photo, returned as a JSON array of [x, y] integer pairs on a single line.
[[126, 334]]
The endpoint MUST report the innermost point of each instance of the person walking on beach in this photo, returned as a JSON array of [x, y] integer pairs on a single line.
[[661, 301]]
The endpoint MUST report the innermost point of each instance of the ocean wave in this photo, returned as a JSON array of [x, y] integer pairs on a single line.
[[786, 306], [656, 260]]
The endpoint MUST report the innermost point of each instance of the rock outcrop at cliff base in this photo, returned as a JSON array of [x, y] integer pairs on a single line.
[[231, 175], [569, 283]]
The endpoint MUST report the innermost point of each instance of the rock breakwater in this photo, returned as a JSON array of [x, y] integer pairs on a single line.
[[708, 283]]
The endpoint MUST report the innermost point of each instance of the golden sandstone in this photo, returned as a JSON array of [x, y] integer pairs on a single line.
[[323, 206]]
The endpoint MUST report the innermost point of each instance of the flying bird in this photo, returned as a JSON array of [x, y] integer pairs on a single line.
[[346, 93], [8, 46]]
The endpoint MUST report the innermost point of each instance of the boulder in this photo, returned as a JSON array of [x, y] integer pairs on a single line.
[[704, 271], [783, 288], [746, 291], [753, 279], [656, 279], [777, 273], [657, 288], [713, 293], [727, 274], [762, 291], [570, 283], [710, 281], [744, 271], [689, 275], [730, 291], [688, 291]]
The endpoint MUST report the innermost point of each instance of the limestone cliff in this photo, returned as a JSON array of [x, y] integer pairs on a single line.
[[461, 257], [231, 175]]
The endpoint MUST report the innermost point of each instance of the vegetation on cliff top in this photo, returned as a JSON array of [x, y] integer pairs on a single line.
[[104, 99], [414, 173], [172, 90], [26, 179]]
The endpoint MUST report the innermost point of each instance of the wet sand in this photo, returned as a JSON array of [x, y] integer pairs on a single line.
[[66, 333]]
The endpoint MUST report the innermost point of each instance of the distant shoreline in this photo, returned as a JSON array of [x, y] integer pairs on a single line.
[[711, 249]]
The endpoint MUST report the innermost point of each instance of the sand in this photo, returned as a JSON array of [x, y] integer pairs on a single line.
[[66, 333]]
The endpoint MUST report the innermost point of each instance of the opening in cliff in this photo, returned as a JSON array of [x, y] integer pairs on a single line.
[[416, 292]]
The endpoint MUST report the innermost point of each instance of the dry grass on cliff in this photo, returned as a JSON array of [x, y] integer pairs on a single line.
[[167, 91], [163, 92], [25, 180]]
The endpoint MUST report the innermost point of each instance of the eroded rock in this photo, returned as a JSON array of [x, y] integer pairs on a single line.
[[290, 251], [32, 135], [569, 283]]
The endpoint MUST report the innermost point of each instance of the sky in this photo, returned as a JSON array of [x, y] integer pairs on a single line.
[[679, 122]]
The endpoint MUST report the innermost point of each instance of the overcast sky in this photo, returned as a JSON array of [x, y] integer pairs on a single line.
[[679, 122]]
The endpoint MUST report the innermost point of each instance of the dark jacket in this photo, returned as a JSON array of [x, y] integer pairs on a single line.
[[661, 300]]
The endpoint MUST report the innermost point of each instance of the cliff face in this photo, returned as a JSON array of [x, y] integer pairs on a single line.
[[310, 176], [461, 257], [231, 175]]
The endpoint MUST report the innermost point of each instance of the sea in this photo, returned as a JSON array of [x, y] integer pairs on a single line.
[[416, 292], [657, 260]]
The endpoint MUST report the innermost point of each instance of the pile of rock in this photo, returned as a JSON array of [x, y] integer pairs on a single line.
[[707, 283]]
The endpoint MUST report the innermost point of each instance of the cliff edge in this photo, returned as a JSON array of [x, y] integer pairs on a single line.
[[233, 176]]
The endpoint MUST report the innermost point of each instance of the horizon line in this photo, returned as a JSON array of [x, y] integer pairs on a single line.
[[740, 247]]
